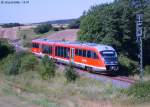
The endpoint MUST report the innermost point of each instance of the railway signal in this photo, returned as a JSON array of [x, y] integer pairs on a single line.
[[140, 4]]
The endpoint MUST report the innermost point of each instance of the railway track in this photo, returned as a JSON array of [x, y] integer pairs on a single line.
[[125, 79], [118, 81]]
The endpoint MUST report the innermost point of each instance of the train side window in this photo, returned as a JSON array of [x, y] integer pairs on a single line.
[[45, 49], [51, 50], [89, 54], [84, 53], [56, 51], [61, 51], [32, 45], [95, 56], [36, 45], [65, 52], [80, 52], [68, 52], [76, 52]]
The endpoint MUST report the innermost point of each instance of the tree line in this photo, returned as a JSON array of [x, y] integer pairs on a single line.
[[9, 25]]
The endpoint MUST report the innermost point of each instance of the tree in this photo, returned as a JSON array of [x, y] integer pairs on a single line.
[[49, 68], [75, 24], [70, 74], [28, 62], [9, 25], [5, 48], [12, 64], [43, 28], [114, 24]]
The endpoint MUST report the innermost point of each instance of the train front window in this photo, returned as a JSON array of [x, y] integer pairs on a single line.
[[108, 54], [110, 57]]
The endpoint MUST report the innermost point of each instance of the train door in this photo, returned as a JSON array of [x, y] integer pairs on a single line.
[[40, 47], [72, 55]]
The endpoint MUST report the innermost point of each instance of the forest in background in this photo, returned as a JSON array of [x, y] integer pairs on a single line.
[[115, 24]]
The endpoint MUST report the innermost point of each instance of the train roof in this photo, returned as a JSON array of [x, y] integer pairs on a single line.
[[100, 47]]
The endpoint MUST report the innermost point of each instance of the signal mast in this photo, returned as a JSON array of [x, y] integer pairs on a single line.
[[140, 4]]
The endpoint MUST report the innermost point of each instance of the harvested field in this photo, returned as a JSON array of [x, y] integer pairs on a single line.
[[10, 33], [68, 35]]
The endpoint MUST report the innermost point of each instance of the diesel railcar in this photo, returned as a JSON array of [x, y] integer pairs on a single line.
[[91, 56]]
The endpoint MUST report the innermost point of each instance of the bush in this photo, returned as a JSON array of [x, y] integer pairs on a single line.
[[42, 28], [18, 63], [55, 29], [49, 68], [127, 65], [140, 91], [12, 64], [5, 48], [28, 62], [70, 74], [147, 69]]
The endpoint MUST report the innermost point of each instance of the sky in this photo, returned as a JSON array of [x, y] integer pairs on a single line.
[[34, 11]]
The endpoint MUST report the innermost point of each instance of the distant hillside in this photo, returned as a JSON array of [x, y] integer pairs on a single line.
[[10, 25], [65, 21]]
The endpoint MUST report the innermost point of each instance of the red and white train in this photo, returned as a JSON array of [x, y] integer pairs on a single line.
[[91, 56]]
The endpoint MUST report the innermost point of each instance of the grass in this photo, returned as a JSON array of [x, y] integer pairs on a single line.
[[45, 103], [40, 35], [57, 92]]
